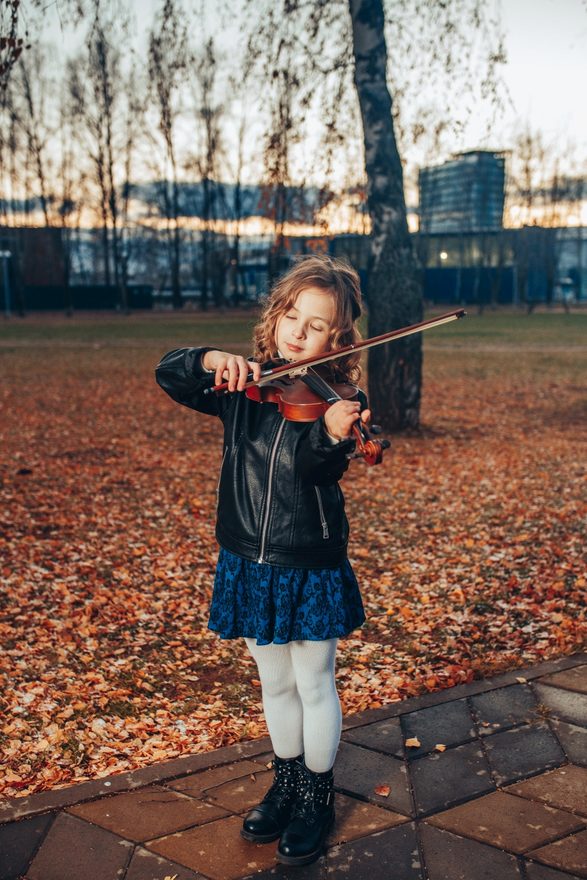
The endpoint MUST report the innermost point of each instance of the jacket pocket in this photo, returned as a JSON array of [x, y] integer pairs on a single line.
[[323, 523]]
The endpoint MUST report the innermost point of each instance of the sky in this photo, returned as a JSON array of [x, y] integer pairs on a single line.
[[546, 74]]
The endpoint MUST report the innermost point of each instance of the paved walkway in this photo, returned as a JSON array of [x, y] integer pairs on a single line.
[[485, 781]]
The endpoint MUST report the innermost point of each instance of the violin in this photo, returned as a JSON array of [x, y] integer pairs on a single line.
[[302, 395], [308, 397]]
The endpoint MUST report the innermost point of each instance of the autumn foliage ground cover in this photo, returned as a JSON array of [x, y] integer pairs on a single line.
[[467, 540]]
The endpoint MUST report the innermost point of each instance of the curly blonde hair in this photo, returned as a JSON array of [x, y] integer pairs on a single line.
[[335, 277]]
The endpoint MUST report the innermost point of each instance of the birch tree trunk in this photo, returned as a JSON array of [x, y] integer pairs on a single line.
[[394, 293]]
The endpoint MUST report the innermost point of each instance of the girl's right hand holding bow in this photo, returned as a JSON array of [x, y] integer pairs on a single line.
[[231, 368]]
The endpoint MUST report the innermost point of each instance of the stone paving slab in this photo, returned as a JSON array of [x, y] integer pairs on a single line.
[[447, 725], [316, 871], [573, 740], [567, 705], [148, 813], [383, 736], [571, 853], [504, 708], [523, 751], [19, 841], [360, 771], [388, 855], [536, 871], [216, 850], [565, 788], [508, 822], [574, 679], [196, 784], [448, 855], [74, 849], [241, 794], [355, 819], [145, 865], [450, 777]]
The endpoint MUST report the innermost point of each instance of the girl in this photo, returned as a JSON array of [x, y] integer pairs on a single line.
[[283, 581]]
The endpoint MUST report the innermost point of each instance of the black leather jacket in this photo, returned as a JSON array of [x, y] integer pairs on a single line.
[[278, 495]]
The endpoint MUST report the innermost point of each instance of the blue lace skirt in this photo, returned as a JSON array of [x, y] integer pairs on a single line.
[[277, 604]]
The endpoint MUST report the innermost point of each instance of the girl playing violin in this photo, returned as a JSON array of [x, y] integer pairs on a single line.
[[283, 581]]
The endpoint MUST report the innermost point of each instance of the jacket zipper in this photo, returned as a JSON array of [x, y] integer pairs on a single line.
[[272, 458], [325, 532]]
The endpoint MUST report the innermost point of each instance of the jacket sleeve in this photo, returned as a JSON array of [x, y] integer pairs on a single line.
[[320, 461], [181, 375]]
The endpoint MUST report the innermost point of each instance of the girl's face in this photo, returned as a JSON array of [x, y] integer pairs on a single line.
[[304, 330]]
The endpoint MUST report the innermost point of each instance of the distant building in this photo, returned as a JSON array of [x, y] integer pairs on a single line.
[[572, 263], [465, 194], [36, 254]]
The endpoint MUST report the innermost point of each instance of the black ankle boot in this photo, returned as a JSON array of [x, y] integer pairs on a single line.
[[302, 841], [266, 821]]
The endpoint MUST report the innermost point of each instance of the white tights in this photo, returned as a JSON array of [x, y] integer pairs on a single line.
[[300, 702]]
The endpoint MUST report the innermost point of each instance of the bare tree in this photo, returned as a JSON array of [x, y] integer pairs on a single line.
[[277, 163], [132, 125], [168, 66], [537, 190], [91, 134], [237, 213], [16, 38], [31, 83], [12, 156], [104, 70], [69, 203], [206, 163], [239, 111], [11, 43], [103, 97]]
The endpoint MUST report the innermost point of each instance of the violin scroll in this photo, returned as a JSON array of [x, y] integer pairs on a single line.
[[368, 449]]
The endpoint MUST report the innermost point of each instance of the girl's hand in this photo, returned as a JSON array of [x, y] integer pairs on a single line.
[[341, 416], [232, 368]]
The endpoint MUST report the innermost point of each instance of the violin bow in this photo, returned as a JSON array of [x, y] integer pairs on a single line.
[[300, 368]]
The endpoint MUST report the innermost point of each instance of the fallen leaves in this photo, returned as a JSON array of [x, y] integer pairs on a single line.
[[467, 542]]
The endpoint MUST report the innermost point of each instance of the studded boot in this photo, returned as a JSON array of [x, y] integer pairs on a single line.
[[303, 840], [267, 820]]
